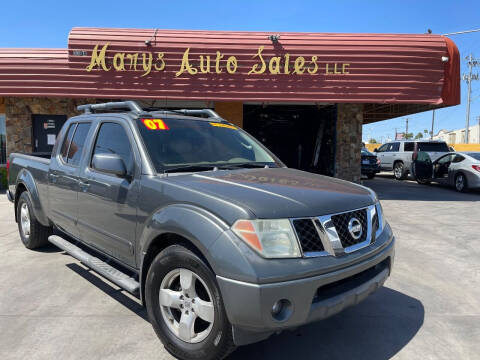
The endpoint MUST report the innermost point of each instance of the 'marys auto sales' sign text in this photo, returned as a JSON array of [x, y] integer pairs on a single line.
[[148, 61]]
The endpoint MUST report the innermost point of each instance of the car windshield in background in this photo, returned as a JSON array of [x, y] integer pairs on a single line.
[[366, 152], [195, 145], [433, 147]]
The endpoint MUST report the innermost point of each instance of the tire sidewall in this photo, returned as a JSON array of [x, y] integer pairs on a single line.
[[171, 258]]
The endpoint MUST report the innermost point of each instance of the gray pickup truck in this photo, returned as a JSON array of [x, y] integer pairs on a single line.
[[220, 241]]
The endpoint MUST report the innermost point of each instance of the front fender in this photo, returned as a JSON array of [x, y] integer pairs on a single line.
[[195, 224], [25, 177]]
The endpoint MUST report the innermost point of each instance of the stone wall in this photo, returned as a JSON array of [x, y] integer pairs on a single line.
[[349, 142], [18, 113], [231, 111]]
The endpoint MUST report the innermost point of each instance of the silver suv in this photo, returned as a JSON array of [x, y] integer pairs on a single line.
[[397, 155]]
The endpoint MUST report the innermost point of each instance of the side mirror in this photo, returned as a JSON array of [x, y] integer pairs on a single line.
[[110, 163], [375, 150]]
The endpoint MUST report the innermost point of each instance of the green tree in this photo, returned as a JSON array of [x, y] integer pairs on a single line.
[[372, 141], [418, 136], [409, 136], [426, 131]]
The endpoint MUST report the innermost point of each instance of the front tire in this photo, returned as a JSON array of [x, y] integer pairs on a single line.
[[399, 171], [33, 234], [185, 306], [461, 183]]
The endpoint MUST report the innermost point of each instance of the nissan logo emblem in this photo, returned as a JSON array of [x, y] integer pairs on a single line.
[[355, 228]]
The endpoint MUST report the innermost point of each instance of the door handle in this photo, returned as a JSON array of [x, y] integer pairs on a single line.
[[83, 185], [53, 177]]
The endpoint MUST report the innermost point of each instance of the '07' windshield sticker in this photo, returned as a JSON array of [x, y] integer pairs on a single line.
[[155, 124]]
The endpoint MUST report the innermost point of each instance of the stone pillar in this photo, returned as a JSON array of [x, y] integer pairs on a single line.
[[349, 142], [18, 114], [231, 111]]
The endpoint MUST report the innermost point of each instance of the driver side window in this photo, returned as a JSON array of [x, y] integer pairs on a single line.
[[383, 148]]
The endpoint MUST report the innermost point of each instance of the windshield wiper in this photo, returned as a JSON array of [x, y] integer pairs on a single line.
[[245, 165], [189, 168]]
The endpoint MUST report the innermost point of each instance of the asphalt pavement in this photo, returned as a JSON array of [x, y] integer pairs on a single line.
[[51, 306]]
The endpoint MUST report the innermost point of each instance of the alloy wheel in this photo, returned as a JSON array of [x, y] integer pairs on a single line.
[[25, 220], [460, 182], [186, 305]]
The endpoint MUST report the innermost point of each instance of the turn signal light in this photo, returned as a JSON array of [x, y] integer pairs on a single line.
[[476, 167], [247, 232]]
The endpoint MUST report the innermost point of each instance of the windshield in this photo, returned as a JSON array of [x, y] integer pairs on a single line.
[[200, 144], [433, 147]]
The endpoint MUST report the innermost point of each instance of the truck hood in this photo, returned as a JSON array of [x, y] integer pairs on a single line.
[[279, 192]]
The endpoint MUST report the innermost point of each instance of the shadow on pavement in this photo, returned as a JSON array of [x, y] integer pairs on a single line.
[[114, 293], [387, 188], [376, 329]]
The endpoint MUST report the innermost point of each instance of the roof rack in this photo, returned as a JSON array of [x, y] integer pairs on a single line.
[[90, 108], [135, 108], [195, 112]]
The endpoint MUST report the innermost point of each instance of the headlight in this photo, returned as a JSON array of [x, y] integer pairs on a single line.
[[270, 238], [381, 215]]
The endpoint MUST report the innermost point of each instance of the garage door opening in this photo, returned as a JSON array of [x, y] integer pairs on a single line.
[[303, 137]]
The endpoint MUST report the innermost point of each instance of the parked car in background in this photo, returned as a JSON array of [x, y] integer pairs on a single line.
[[460, 170], [370, 164], [397, 155]]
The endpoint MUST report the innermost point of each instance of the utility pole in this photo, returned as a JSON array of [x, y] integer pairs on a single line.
[[406, 127], [433, 122], [468, 78]]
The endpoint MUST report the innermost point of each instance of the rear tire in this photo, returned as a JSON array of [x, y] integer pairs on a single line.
[[33, 234], [399, 171], [461, 183], [179, 286]]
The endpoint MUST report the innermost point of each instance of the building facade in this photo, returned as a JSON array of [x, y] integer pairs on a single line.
[[458, 136], [304, 95]]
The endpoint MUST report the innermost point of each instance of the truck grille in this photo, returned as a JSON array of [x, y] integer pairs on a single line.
[[308, 235], [341, 225]]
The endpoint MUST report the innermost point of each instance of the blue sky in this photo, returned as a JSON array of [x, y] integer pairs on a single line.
[[47, 23]]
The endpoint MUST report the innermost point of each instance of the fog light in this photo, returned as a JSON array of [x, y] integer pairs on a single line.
[[281, 310], [277, 307]]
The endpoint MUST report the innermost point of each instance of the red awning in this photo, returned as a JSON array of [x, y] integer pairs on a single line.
[[298, 67]]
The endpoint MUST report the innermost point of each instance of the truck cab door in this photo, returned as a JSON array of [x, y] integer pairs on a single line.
[[107, 202], [63, 178], [422, 167]]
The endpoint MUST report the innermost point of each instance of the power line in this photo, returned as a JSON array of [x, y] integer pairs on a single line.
[[461, 32]]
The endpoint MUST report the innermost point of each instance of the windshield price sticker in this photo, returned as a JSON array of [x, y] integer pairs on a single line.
[[155, 124], [227, 126]]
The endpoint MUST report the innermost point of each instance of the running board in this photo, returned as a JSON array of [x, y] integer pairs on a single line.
[[116, 276]]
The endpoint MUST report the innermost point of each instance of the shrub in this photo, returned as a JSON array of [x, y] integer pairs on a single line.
[[3, 178]]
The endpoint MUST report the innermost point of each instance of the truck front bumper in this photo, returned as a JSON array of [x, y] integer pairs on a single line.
[[249, 306]]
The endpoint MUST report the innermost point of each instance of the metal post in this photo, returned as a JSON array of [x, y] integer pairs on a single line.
[[469, 81], [406, 128], [433, 121]]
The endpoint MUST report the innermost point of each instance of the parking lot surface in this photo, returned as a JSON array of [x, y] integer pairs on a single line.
[[51, 306]]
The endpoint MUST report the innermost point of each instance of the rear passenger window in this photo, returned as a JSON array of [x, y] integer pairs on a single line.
[[395, 147], [76, 147], [408, 146], [112, 139], [458, 158], [67, 141]]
